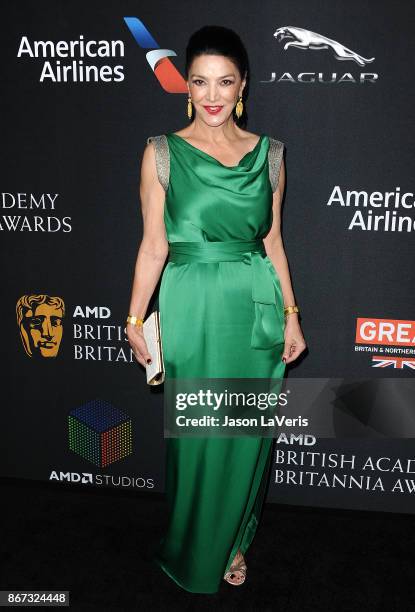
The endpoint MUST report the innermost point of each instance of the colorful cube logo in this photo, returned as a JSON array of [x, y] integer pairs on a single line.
[[100, 433]]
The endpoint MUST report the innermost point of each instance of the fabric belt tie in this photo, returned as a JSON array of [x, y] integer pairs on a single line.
[[269, 322]]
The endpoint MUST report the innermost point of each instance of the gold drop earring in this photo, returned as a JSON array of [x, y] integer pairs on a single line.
[[239, 107], [189, 107]]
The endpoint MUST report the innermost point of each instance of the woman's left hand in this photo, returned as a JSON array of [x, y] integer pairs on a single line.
[[294, 339]]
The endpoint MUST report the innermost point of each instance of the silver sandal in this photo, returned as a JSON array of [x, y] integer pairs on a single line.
[[240, 566]]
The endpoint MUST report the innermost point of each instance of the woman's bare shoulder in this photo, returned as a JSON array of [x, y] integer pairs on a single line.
[[250, 136]]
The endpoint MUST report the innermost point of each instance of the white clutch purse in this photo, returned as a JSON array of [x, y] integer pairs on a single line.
[[151, 329]]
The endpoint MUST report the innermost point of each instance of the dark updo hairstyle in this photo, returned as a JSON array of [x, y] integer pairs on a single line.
[[218, 40]]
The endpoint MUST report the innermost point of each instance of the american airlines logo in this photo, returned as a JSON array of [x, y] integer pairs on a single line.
[[376, 211], [306, 40], [158, 58], [391, 341], [75, 61]]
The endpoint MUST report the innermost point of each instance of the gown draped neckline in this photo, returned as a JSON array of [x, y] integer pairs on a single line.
[[209, 157]]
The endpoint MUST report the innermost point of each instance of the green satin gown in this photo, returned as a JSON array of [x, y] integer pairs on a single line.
[[221, 315]]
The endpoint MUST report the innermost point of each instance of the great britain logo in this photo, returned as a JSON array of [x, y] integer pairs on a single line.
[[390, 341]]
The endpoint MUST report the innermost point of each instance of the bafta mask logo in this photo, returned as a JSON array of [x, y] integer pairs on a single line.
[[39, 318]]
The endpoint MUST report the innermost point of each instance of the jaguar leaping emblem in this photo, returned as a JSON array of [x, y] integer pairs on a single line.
[[305, 39]]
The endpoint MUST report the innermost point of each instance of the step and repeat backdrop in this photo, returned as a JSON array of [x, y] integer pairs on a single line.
[[85, 84]]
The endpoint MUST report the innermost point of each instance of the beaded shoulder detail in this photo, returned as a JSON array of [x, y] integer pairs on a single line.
[[275, 153], [162, 159]]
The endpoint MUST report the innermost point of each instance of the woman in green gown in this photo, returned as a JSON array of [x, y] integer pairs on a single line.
[[221, 305]]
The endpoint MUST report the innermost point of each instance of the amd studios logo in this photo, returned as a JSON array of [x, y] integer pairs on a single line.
[[306, 40], [87, 478]]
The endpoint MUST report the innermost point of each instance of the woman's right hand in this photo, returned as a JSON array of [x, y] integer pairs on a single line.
[[138, 344]]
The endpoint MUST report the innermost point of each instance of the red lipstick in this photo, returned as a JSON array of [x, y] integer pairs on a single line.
[[213, 110]]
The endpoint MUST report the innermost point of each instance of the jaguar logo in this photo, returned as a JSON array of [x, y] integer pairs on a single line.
[[305, 39]]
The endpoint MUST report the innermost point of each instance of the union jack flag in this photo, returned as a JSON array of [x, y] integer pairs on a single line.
[[393, 362]]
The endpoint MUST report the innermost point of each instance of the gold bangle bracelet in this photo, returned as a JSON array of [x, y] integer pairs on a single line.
[[135, 321], [289, 309]]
